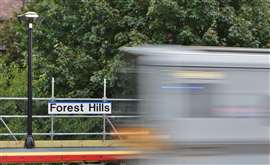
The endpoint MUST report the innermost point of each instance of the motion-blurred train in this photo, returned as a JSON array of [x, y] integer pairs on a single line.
[[206, 96]]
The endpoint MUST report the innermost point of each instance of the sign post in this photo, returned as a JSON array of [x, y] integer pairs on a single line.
[[104, 116], [102, 107]]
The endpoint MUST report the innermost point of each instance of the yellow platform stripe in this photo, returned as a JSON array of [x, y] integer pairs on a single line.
[[69, 153], [64, 143]]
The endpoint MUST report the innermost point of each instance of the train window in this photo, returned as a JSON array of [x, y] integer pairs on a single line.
[[215, 93], [200, 101], [239, 105], [193, 100]]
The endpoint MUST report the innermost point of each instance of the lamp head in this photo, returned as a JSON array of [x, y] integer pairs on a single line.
[[28, 16]]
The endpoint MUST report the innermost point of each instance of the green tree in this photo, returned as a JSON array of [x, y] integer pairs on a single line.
[[77, 41]]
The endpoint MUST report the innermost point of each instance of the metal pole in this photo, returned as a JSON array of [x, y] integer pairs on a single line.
[[104, 89], [104, 128], [52, 118], [104, 117], [52, 87], [11, 133], [29, 141], [71, 99], [113, 127], [52, 125]]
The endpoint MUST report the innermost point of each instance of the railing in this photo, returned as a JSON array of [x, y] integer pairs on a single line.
[[52, 133]]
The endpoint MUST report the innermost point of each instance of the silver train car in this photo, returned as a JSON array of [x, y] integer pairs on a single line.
[[205, 95]]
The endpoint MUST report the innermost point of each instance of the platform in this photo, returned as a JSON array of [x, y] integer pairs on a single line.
[[65, 151]]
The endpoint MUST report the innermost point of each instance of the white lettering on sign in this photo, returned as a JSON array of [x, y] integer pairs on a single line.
[[79, 108]]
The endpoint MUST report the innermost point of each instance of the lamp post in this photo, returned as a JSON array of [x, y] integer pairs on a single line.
[[29, 18]]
